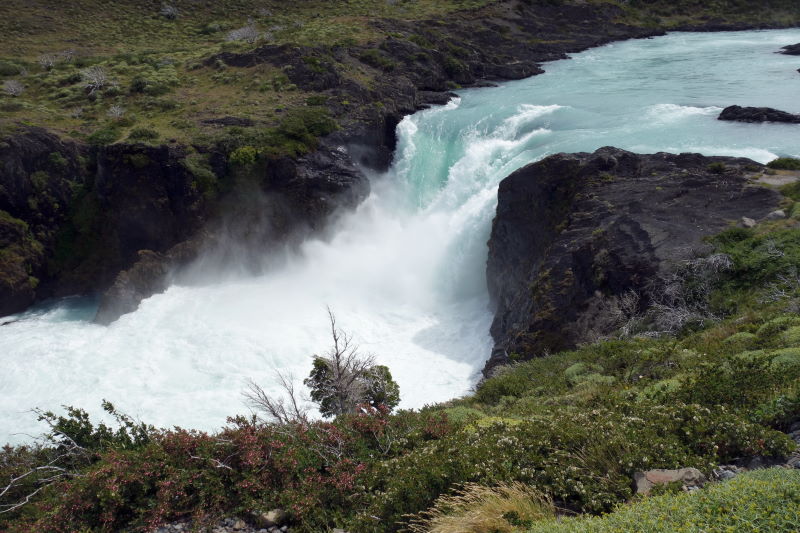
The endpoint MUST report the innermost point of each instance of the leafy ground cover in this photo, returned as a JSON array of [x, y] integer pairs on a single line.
[[765, 500]]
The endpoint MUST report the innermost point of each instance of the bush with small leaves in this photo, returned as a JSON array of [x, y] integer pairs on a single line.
[[143, 134], [785, 163]]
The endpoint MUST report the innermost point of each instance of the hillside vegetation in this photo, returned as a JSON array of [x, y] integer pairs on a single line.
[[158, 83]]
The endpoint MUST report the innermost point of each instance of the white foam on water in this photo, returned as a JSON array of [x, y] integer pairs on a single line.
[[674, 112]]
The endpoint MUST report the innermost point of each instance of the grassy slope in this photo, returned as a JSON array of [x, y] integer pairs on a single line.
[[132, 40]]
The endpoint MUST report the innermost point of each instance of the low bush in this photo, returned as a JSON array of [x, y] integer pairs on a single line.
[[375, 58], [104, 136], [763, 500], [143, 134]]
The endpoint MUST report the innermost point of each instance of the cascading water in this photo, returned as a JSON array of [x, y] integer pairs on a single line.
[[405, 271]]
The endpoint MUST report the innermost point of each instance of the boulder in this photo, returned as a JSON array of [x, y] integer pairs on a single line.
[[778, 214], [791, 50], [273, 518], [748, 222], [575, 231], [690, 478], [757, 114]]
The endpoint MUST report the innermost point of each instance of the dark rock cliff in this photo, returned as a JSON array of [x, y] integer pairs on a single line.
[[575, 229]]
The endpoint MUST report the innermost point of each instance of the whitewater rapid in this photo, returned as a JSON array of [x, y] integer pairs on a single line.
[[405, 271]]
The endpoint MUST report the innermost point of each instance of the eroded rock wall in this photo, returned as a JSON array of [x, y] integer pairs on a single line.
[[573, 230]]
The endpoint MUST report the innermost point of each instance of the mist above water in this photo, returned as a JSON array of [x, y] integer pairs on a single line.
[[405, 271]]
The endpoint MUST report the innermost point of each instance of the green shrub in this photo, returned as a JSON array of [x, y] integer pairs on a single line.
[[453, 66], [244, 156], [204, 178], [58, 161], [143, 134], [785, 163], [791, 337], [771, 329], [576, 373], [787, 359], [462, 416], [104, 136], [741, 339], [8, 69], [583, 458], [762, 500]]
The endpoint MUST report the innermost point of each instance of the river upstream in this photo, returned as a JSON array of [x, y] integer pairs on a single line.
[[405, 272]]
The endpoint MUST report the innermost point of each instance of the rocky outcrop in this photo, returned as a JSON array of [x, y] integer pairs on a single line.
[[574, 230], [151, 274], [791, 50], [39, 176], [287, 197], [757, 114], [689, 478]]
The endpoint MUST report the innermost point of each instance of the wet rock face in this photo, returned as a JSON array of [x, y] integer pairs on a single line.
[[38, 176], [293, 197], [757, 114], [575, 229]]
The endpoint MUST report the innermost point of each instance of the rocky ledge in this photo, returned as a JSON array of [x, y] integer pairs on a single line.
[[757, 114], [791, 50], [575, 231]]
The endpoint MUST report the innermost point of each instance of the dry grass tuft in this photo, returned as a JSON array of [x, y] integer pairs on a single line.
[[475, 508]]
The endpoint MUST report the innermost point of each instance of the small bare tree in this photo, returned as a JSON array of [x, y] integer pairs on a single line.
[[249, 34], [13, 88], [116, 112], [287, 409], [341, 381], [337, 379], [94, 78], [169, 11], [63, 462], [67, 55], [48, 61]]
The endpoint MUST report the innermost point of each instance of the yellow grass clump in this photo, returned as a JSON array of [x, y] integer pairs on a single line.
[[475, 508]]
